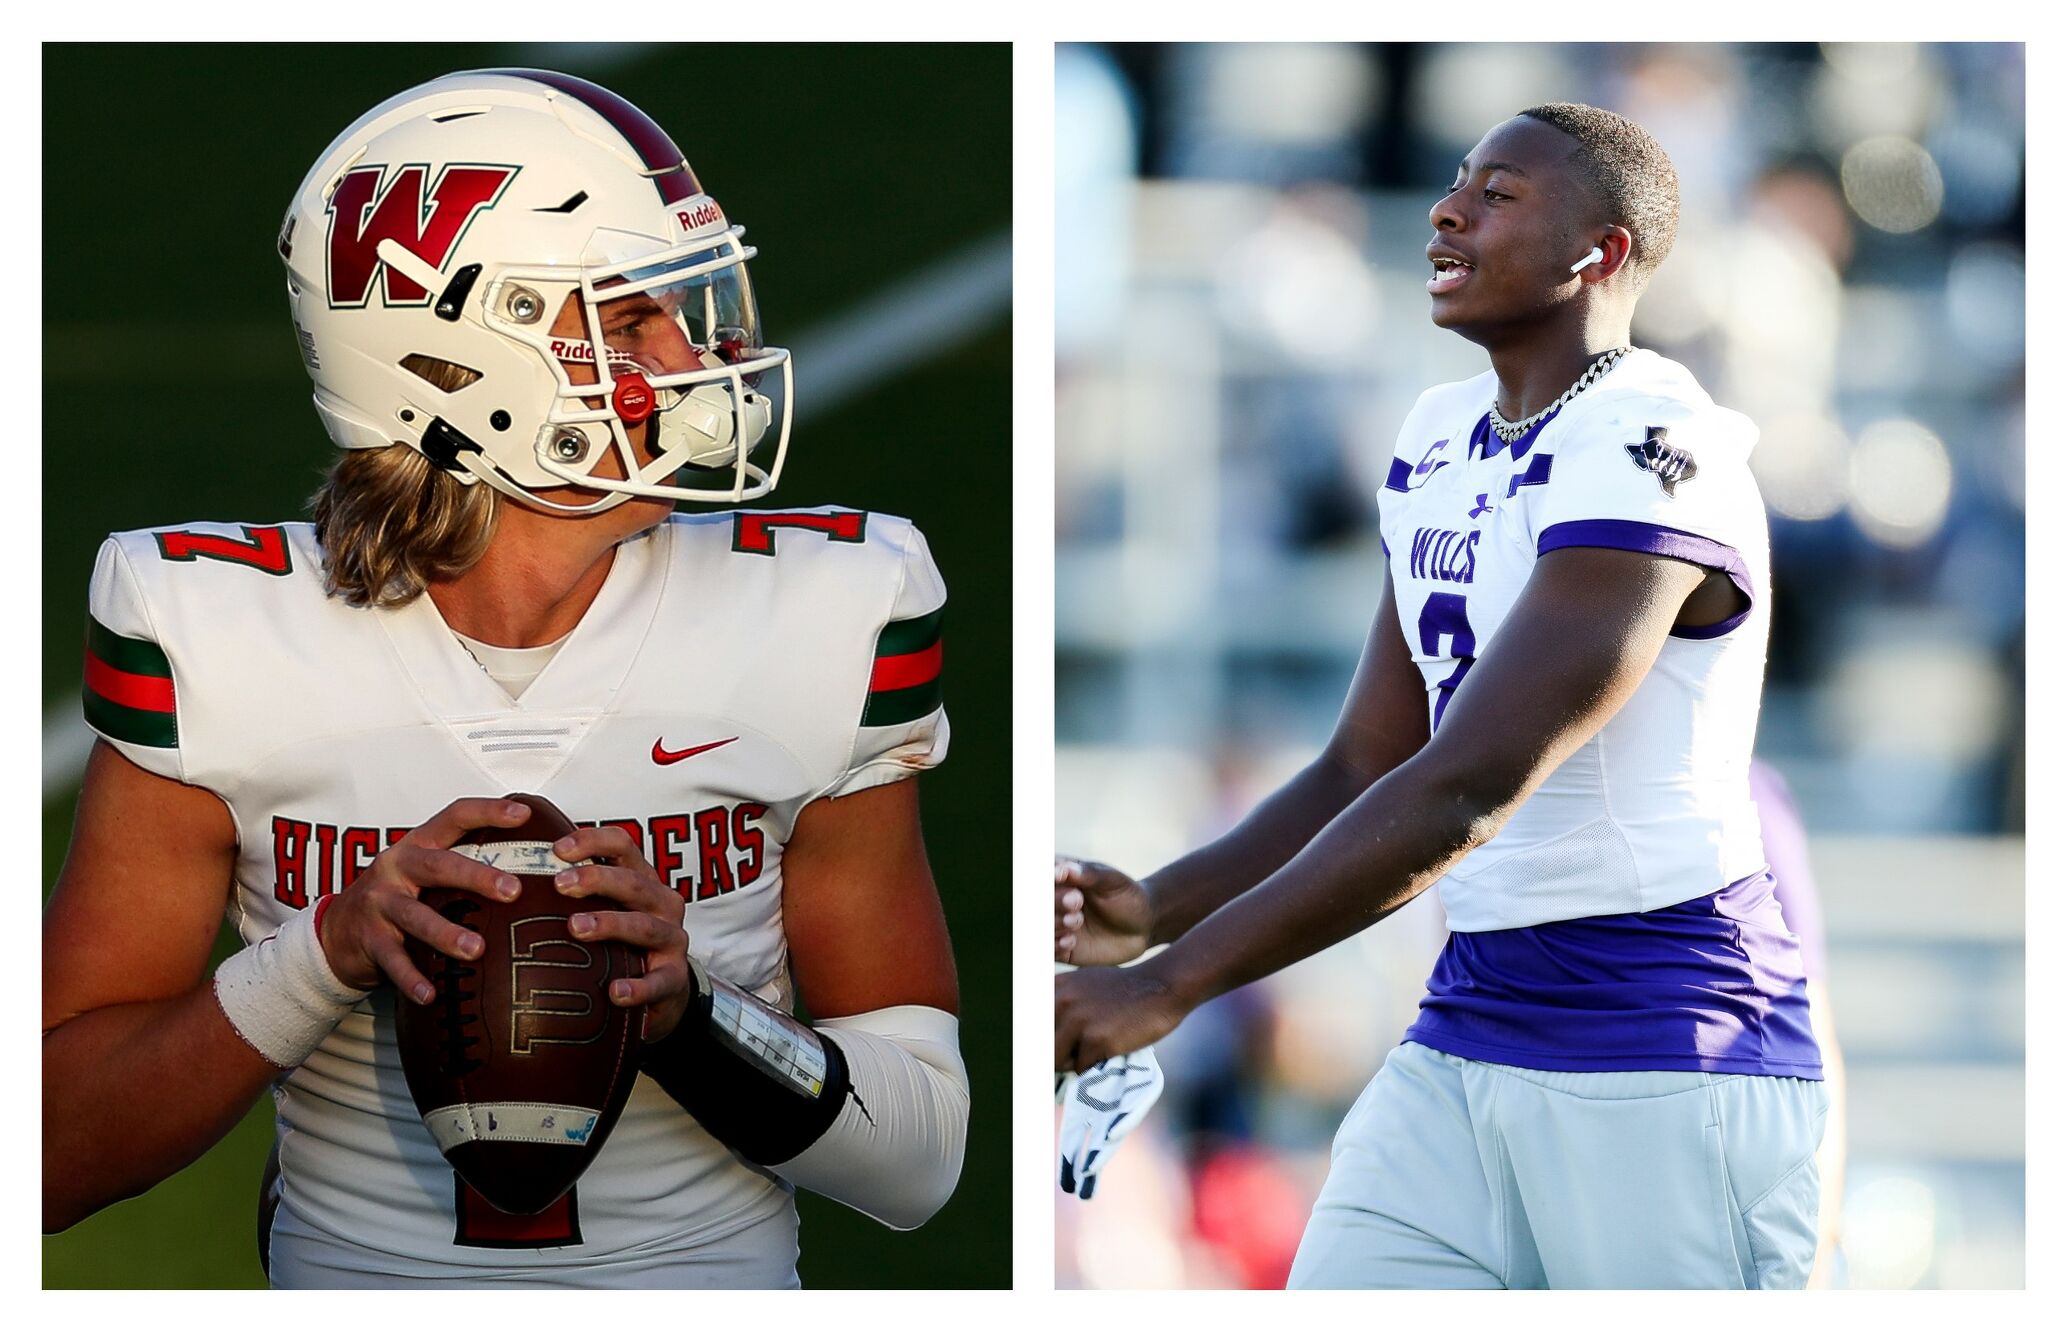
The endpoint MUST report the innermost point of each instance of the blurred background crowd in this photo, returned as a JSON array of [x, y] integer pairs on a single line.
[[1241, 327]]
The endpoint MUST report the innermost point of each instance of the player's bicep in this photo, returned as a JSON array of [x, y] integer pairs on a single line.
[[141, 894], [1385, 718], [860, 910], [1584, 633]]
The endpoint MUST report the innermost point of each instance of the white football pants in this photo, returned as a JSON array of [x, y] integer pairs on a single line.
[[1457, 1173]]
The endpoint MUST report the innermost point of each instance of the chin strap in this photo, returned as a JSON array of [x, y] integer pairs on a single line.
[[444, 447], [705, 423]]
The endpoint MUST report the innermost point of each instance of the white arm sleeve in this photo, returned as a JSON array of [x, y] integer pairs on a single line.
[[895, 1150]]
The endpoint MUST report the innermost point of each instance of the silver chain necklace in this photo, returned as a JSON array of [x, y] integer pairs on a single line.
[[1513, 432]]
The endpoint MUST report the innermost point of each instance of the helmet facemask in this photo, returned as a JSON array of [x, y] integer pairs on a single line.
[[675, 344]]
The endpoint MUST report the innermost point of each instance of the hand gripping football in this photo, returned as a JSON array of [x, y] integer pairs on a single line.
[[521, 1064]]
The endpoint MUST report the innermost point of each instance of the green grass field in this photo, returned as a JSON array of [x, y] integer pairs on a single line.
[[172, 392]]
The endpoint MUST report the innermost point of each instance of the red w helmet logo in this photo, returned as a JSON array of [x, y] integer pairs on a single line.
[[366, 210]]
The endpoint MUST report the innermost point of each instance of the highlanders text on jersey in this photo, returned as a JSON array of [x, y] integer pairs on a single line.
[[1632, 878], [733, 668]]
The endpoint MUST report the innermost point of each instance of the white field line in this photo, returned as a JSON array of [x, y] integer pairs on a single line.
[[903, 327]]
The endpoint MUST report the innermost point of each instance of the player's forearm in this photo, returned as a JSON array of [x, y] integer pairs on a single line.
[[1373, 857], [133, 1093], [1193, 887]]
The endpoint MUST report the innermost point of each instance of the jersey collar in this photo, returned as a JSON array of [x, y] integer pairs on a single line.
[[1486, 443], [591, 666]]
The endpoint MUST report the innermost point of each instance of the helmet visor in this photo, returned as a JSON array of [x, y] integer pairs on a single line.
[[678, 317]]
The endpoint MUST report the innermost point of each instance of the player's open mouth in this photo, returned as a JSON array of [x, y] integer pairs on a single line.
[[1449, 274]]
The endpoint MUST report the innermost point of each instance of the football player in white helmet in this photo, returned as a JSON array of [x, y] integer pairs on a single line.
[[532, 333], [1613, 1080]]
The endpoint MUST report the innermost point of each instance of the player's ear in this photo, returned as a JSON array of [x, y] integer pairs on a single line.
[[1615, 244]]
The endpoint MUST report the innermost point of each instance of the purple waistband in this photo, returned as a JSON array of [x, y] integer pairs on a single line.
[[1711, 984]]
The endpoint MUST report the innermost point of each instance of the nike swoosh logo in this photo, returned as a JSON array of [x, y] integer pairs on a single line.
[[662, 757]]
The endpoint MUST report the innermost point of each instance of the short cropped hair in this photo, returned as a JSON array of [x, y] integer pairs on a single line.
[[1627, 171]]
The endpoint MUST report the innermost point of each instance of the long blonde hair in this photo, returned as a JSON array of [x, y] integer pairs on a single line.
[[391, 523]]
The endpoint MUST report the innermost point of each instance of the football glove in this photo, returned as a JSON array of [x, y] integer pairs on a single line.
[[1102, 1106]]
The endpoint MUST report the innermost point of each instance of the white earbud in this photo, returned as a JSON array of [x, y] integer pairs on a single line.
[[1592, 256]]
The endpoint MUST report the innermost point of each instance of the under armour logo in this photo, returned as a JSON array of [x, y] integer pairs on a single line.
[[1483, 506], [1670, 464]]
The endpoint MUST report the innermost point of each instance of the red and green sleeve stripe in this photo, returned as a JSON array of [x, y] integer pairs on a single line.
[[905, 682], [128, 691]]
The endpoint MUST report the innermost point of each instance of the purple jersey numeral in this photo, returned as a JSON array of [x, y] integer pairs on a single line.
[[1444, 614]]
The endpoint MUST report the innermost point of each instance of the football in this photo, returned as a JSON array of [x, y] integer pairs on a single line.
[[520, 1065]]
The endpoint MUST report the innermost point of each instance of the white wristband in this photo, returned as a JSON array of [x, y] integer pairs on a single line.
[[281, 995]]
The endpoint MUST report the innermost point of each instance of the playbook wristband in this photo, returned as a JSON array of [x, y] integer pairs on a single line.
[[757, 1079], [281, 995]]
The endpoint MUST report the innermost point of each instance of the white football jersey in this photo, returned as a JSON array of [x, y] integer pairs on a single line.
[[733, 668], [1655, 808]]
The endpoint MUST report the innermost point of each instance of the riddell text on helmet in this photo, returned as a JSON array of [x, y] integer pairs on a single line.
[[579, 351], [698, 212]]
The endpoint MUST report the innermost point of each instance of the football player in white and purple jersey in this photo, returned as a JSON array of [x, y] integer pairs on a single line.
[[1613, 1079]]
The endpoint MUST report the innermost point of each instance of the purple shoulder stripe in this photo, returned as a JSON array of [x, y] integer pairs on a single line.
[[1657, 540]]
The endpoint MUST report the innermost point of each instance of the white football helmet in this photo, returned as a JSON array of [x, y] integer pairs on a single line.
[[547, 239]]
